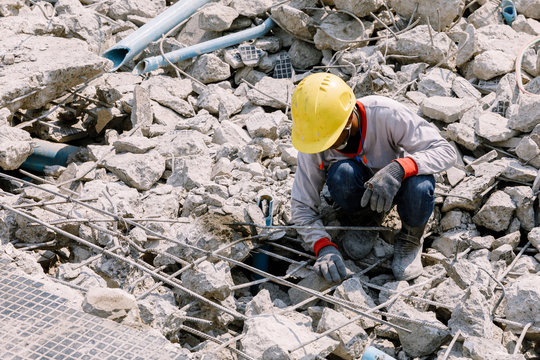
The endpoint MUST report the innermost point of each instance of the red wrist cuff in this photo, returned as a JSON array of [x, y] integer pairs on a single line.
[[319, 244], [409, 166]]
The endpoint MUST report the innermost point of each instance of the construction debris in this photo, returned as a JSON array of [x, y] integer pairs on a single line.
[[150, 217]]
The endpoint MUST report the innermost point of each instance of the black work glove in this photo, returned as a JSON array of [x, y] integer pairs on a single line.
[[383, 187], [330, 264]]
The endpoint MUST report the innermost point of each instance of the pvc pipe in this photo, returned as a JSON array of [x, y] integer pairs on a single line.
[[155, 62], [136, 42], [373, 353], [48, 153]]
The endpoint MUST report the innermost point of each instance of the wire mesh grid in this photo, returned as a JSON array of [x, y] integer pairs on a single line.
[[37, 324], [283, 68], [249, 54], [501, 107]]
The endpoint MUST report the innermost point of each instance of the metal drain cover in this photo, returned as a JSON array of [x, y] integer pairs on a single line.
[[283, 68], [250, 54]]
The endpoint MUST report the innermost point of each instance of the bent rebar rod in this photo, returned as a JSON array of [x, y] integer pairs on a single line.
[[155, 62], [134, 43]]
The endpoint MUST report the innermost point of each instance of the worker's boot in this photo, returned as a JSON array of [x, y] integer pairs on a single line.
[[357, 244], [407, 262]]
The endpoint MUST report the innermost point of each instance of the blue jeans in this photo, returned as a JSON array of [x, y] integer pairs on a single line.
[[415, 199]]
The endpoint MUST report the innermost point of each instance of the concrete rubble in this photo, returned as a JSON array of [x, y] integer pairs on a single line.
[[154, 219]]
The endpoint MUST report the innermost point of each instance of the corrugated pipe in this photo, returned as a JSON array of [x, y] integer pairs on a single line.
[[136, 42], [155, 62], [373, 353], [48, 153]]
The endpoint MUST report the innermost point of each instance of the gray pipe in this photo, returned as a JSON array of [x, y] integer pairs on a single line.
[[136, 42], [155, 62]]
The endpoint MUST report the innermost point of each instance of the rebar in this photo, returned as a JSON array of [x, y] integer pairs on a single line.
[[29, 246], [502, 288], [521, 337], [213, 339], [514, 262], [309, 227], [451, 345], [536, 329], [170, 281], [383, 24], [46, 203], [234, 313], [263, 280]]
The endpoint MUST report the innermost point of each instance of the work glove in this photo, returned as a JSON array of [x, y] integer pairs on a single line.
[[330, 264], [381, 189]]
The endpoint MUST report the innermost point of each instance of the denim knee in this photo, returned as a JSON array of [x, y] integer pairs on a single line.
[[345, 184], [416, 199]]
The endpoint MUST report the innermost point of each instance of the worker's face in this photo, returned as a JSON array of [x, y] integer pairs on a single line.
[[343, 138]]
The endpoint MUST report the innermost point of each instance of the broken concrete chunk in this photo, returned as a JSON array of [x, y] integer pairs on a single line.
[[351, 290], [262, 125], [134, 144], [524, 115], [294, 20], [58, 64], [492, 63], [446, 109], [417, 42], [472, 315], [534, 237], [524, 198], [138, 170], [208, 68], [479, 348], [229, 132], [209, 279], [521, 298], [219, 101], [437, 82], [303, 55], [251, 8], [496, 213], [15, 147], [422, 340], [464, 89], [493, 127], [440, 13], [217, 17], [463, 135], [269, 337], [113, 304], [271, 92], [353, 340], [338, 31], [191, 172]]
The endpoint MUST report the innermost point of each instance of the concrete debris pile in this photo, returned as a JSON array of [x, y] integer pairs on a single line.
[[153, 219]]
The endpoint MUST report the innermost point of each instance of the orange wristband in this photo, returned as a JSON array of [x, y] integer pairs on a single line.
[[319, 244], [409, 166]]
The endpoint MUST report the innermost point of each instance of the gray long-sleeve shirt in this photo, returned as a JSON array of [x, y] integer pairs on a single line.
[[392, 131]]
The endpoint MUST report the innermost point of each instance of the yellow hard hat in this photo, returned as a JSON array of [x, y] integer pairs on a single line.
[[321, 105]]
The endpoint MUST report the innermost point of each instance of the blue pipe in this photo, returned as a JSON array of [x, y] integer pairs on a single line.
[[373, 353], [136, 42], [155, 62], [48, 153]]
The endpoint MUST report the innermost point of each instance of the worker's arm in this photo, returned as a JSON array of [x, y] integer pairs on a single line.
[[429, 151], [305, 198]]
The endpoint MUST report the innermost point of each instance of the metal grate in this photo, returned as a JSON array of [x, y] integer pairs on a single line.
[[250, 54], [39, 325], [501, 107], [283, 68]]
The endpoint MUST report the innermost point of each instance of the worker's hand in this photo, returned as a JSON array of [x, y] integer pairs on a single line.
[[330, 264], [381, 189]]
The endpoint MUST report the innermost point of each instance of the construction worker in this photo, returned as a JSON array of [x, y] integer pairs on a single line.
[[372, 153]]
